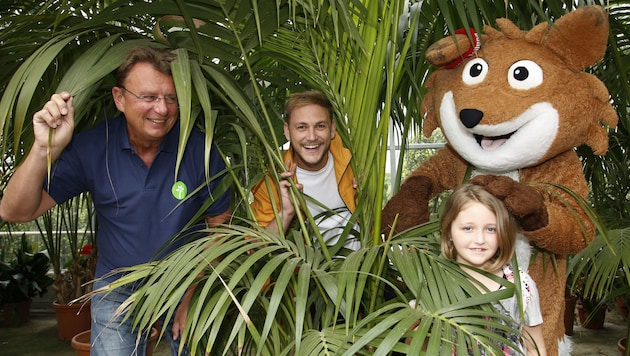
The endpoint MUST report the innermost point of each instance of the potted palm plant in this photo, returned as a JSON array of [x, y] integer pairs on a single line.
[[605, 264], [21, 279], [601, 272], [67, 231]]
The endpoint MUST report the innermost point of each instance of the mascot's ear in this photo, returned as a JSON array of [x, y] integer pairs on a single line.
[[579, 37], [451, 51]]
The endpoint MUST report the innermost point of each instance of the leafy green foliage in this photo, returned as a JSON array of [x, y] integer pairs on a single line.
[[602, 269], [289, 298], [24, 277]]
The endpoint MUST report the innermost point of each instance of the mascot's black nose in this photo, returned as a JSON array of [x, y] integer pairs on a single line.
[[470, 117]]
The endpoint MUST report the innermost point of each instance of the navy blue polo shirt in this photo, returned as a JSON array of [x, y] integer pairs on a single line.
[[136, 207]]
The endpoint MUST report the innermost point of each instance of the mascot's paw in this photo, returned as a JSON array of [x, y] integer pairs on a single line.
[[522, 201], [411, 204]]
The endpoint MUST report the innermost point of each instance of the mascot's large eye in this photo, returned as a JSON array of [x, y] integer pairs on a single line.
[[475, 71], [525, 75]]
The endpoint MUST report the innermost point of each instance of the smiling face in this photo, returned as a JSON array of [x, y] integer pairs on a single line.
[[310, 130], [474, 235], [523, 97], [147, 122]]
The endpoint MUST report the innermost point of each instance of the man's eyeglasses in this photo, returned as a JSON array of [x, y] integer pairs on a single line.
[[152, 99]]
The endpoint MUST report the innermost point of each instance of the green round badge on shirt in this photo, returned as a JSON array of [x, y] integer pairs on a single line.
[[179, 190]]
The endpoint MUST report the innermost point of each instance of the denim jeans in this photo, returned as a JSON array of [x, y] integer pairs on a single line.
[[116, 336]]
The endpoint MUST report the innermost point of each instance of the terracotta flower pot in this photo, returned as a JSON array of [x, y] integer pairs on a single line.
[[622, 307], [621, 346], [592, 319], [72, 319], [16, 314], [81, 342], [569, 314]]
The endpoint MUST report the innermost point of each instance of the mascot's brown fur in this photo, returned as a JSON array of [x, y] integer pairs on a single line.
[[513, 109]]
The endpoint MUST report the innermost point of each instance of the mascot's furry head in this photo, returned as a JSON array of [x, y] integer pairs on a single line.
[[522, 98], [513, 106]]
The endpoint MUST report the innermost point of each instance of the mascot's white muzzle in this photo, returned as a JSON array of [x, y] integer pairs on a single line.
[[519, 142]]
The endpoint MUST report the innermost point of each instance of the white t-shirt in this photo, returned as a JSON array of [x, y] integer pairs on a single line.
[[329, 211]]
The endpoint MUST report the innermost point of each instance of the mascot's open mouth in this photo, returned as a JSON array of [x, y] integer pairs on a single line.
[[491, 143]]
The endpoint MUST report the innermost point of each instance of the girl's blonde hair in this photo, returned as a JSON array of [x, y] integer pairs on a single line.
[[506, 224]]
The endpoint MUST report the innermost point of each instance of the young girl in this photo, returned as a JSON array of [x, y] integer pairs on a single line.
[[478, 231]]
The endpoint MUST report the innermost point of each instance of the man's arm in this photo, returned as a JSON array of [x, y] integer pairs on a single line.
[[23, 198]]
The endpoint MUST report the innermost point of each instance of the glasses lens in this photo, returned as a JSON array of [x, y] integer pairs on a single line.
[[170, 99], [151, 99]]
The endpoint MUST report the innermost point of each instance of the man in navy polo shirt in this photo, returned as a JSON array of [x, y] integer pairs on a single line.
[[128, 166]]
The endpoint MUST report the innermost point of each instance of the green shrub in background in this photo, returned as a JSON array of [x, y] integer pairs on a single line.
[[26, 276]]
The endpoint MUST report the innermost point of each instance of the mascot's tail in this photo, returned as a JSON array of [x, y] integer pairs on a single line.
[[565, 346]]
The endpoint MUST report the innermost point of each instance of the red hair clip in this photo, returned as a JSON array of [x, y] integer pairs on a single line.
[[470, 51]]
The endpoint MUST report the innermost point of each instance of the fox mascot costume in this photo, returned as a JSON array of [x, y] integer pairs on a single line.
[[513, 106]]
